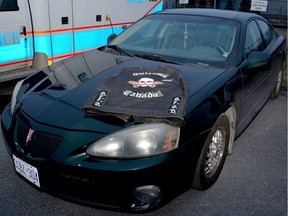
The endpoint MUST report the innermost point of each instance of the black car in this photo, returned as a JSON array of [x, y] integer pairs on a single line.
[[155, 112]]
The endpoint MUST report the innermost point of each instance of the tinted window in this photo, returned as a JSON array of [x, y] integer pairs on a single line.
[[8, 5], [267, 32], [253, 40]]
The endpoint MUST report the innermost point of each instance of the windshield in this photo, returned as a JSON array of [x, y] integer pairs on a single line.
[[182, 38]]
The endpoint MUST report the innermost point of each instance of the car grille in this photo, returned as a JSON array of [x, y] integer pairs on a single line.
[[40, 144]]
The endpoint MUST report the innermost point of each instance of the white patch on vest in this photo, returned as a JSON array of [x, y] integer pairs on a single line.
[[144, 95]]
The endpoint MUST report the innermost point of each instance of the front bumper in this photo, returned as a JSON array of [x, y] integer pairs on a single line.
[[99, 182]]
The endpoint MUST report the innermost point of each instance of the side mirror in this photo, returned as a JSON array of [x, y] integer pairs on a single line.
[[257, 59], [111, 38]]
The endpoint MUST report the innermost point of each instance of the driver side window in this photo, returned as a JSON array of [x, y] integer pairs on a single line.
[[253, 41]]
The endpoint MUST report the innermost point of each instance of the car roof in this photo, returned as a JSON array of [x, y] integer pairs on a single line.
[[226, 14]]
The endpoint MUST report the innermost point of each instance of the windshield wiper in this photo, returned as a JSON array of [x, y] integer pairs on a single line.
[[119, 50], [156, 58]]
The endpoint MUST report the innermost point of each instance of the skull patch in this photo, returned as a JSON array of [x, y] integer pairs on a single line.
[[145, 82]]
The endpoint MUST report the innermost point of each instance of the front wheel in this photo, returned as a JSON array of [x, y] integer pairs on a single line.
[[213, 155]]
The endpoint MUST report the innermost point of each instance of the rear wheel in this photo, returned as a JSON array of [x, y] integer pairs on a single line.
[[276, 89], [213, 155]]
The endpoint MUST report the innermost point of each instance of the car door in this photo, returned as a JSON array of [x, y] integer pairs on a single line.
[[16, 42], [254, 81], [274, 48]]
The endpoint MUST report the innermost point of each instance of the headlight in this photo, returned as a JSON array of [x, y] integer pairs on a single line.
[[14, 96], [138, 141]]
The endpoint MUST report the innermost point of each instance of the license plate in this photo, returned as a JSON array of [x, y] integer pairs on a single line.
[[28, 171]]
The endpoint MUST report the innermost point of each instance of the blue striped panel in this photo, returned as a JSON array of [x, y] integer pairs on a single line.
[[16, 52]]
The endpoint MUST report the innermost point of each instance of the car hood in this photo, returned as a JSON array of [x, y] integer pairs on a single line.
[[60, 94]]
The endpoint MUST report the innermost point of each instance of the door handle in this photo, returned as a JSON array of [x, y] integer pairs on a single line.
[[24, 31]]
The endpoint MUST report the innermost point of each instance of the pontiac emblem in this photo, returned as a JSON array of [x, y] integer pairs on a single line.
[[29, 136]]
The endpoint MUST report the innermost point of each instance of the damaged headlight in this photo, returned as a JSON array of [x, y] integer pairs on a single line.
[[138, 141]]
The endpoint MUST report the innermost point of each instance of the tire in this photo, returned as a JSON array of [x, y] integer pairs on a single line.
[[213, 155], [275, 92]]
